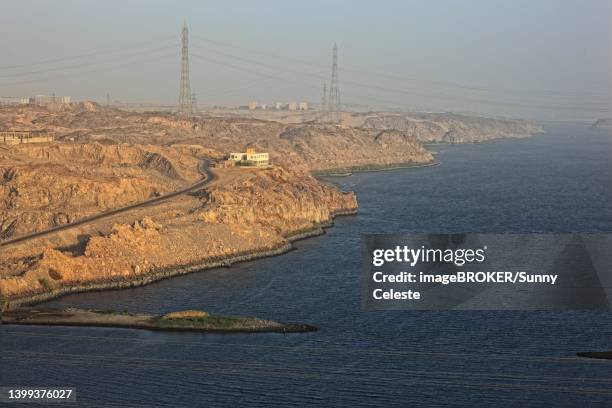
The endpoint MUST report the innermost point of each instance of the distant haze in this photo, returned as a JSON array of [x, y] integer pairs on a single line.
[[544, 59]]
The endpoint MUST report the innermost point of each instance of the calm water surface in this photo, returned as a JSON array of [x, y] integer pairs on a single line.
[[558, 182]]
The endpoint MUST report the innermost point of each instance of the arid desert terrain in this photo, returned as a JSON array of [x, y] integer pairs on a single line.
[[104, 159]]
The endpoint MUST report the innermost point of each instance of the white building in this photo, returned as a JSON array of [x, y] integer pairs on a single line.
[[250, 158], [43, 100], [40, 100]]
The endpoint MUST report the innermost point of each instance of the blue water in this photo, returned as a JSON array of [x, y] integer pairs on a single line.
[[558, 182]]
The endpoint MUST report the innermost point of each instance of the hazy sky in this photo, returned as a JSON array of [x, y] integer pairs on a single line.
[[535, 58]]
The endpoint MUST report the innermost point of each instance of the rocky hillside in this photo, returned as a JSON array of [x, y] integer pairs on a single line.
[[42, 186], [451, 128], [308, 146], [109, 158], [363, 140], [247, 213], [105, 158]]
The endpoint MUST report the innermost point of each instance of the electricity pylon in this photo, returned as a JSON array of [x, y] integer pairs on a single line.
[[334, 89], [185, 97]]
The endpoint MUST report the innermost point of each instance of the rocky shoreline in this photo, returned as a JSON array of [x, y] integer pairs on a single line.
[[167, 273], [347, 171], [241, 216]]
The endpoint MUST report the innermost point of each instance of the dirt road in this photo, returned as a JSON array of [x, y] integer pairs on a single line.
[[208, 176]]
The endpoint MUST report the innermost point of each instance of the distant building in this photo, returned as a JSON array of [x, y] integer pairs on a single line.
[[303, 106], [252, 105], [222, 164], [9, 100], [292, 106], [250, 158], [40, 100], [279, 105], [44, 100]]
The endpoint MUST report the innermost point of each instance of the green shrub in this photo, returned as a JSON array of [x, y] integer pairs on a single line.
[[4, 304], [45, 284]]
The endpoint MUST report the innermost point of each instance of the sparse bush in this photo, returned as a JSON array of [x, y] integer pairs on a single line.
[[4, 303], [45, 284]]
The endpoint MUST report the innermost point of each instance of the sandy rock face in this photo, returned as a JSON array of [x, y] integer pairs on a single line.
[[42, 186], [277, 199], [308, 146], [255, 211], [106, 158], [330, 147], [451, 128]]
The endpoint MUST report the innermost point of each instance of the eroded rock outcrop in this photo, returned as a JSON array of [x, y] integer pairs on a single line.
[[107, 158], [42, 186], [451, 128], [309, 146], [253, 214]]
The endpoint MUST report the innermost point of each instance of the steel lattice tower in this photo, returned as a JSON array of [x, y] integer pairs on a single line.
[[334, 91], [324, 102], [194, 102], [185, 99]]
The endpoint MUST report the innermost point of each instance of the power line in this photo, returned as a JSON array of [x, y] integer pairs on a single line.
[[478, 100], [516, 103], [73, 57], [243, 87], [255, 62], [269, 54], [583, 108], [89, 71], [247, 70], [448, 84], [121, 57]]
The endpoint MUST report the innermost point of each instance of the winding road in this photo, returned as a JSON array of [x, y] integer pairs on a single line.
[[208, 176]]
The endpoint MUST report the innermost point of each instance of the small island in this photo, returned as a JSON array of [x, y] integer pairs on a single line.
[[188, 320]]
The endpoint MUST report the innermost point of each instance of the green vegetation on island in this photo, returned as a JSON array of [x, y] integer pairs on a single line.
[[188, 320]]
